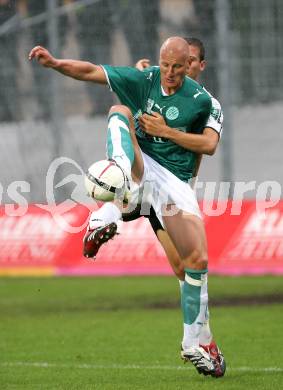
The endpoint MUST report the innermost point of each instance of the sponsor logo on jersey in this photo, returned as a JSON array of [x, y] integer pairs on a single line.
[[172, 113], [149, 105]]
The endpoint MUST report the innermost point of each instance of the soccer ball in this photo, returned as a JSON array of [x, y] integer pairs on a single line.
[[105, 180]]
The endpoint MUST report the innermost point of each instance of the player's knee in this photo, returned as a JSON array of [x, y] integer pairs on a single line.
[[124, 110], [197, 260], [201, 264], [121, 109]]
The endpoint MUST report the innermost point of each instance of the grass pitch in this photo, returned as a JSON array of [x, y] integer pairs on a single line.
[[124, 333]]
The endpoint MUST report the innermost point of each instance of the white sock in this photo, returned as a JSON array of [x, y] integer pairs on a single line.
[[107, 213], [205, 336], [181, 283]]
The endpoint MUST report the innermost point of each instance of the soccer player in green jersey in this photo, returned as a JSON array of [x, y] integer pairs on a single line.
[[95, 236], [155, 137], [214, 124]]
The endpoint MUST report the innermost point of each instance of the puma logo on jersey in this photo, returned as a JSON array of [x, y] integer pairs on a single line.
[[197, 94], [159, 108], [149, 76]]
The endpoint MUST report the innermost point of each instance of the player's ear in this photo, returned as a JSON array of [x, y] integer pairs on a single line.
[[202, 65], [189, 64]]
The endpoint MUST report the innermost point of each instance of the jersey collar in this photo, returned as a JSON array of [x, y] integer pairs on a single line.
[[163, 92]]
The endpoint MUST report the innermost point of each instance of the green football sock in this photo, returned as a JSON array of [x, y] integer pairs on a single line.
[[194, 300], [119, 144]]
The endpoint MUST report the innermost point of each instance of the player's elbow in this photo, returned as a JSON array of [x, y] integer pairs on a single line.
[[92, 72], [210, 149], [209, 141]]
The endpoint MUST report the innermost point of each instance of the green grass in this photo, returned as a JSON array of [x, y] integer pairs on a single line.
[[110, 333]]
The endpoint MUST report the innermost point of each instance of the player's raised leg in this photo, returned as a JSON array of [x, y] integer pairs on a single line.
[[119, 143], [122, 147]]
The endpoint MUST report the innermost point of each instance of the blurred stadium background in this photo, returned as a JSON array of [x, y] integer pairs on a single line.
[[58, 332]]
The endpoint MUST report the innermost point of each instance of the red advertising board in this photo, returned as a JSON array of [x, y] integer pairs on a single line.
[[48, 241]]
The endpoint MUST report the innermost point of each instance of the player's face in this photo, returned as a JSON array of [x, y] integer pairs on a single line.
[[173, 68], [196, 66]]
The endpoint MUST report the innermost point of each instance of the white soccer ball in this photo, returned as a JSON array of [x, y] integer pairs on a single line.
[[104, 181]]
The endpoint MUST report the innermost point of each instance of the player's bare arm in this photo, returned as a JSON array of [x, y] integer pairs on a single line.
[[79, 70], [205, 143]]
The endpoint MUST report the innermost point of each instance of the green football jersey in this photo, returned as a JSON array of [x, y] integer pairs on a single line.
[[186, 110]]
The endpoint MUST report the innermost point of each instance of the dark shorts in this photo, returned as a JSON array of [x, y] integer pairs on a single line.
[[136, 213]]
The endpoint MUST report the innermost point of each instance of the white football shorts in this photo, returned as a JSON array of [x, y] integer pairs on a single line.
[[160, 187]]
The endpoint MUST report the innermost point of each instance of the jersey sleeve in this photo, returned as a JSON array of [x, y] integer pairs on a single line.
[[129, 84], [204, 110], [215, 119]]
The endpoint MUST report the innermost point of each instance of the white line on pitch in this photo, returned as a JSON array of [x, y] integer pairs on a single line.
[[128, 366]]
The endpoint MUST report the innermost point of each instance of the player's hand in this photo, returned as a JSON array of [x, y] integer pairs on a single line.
[[42, 56], [142, 64], [153, 124]]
